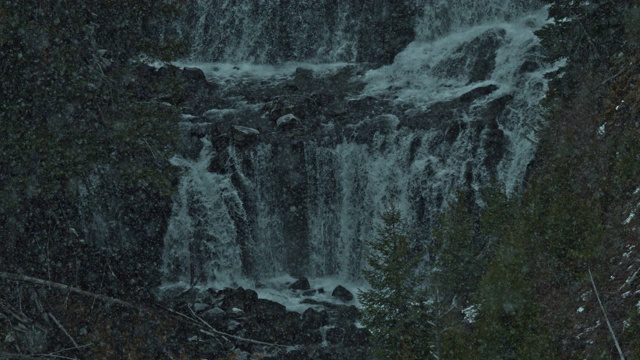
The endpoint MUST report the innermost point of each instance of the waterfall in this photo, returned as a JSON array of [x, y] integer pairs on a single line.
[[460, 101], [275, 31], [202, 241]]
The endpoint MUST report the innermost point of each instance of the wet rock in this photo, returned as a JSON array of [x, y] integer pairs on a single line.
[[309, 292], [347, 314], [314, 319], [303, 79], [494, 142], [355, 336], [341, 293], [214, 313], [478, 92], [496, 107], [335, 335], [528, 66], [236, 312], [307, 337], [238, 298], [301, 284], [287, 328], [193, 74], [233, 326], [267, 309], [478, 57], [287, 121], [295, 354], [198, 307], [243, 135]]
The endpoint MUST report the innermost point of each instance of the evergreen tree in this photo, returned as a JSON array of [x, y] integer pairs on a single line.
[[393, 309]]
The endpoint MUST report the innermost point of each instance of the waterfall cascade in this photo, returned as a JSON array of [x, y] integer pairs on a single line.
[[454, 108]]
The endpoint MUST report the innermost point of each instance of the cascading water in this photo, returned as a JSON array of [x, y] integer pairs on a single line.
[[203, 218], [271, 31], [459, 102]]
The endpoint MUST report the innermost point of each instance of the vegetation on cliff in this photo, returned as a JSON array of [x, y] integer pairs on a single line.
[[79, 132], [532, 263]]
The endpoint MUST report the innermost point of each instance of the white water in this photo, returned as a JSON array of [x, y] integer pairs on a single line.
[[264, 31], [201, 239], [349, 183], [421, 76]]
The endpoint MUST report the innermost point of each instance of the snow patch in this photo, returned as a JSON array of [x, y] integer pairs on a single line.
[[246, 130], [602, 130], [471, 313], [286, 119], [629, 218]]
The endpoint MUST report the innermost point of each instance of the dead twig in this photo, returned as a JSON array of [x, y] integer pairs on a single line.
[[75, 344]]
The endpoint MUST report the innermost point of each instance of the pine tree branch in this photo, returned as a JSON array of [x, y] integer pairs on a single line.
[[606, 318]]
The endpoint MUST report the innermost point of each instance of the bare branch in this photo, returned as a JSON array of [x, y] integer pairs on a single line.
[[75, 344], [11, 356], [613, 334], [55, 285]]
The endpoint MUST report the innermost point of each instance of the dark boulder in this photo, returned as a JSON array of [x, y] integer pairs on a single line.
[[288, 121], [494, 142], [335, 335], [307, 337], [267, 309], [286, 328], [529, 66], [243, 135], [309, 292], [300, 284], [347, 314], [238, 298], [341, 293], [477, 93], [314, 319], [355, 336], [303, 79]]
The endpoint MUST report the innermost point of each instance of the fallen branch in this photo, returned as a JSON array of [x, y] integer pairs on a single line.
[[8, 356], [9, 311], [613, 334], [54, 353], [55, 285], [211, 331]]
